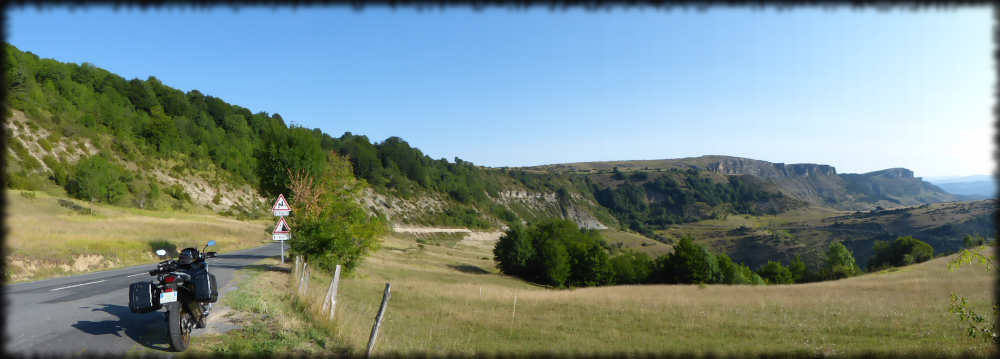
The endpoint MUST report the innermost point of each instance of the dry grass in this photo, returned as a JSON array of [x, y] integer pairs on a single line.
[[637, 243], [46, 239], [440, 305]]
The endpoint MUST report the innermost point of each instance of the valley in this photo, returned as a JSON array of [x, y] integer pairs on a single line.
[[102, 170]]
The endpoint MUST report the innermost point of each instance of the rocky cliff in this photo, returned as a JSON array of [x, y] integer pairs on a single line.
[[821, 185], [529, 206], [768, 170], [536, 205]]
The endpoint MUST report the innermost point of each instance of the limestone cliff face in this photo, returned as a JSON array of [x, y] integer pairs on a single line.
[[548, 204], [892, 173], [768, 170], [821, 185], [532, 205]]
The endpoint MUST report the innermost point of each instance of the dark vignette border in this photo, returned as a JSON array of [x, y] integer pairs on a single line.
[[593, 5]]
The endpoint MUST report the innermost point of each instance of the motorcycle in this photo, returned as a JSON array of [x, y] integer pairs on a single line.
[[185, 288]]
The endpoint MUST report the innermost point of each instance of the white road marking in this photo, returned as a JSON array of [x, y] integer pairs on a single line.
[[135, 275], [75, 285]]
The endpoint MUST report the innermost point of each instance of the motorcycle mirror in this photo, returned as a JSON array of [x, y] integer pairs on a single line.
[[211, 243], [161, 252]]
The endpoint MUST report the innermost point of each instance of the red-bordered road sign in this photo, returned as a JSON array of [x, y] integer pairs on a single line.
[[281, 227]]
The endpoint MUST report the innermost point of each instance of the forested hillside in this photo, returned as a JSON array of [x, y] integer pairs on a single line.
[[97, 136]]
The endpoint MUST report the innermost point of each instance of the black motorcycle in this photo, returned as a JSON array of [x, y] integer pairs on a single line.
[[185, 287]]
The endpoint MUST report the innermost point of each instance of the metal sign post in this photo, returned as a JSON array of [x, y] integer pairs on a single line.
[[281, 209]]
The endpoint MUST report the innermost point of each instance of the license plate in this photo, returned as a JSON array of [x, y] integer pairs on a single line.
[[168, 297]]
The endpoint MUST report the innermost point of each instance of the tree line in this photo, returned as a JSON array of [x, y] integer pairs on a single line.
[[557, 253], [146, 121]]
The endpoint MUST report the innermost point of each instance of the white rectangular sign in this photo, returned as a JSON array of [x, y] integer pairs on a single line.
[[281, 237], [282, 213]]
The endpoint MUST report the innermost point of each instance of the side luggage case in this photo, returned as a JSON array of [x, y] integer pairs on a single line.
[[143, 297], [205, 288]]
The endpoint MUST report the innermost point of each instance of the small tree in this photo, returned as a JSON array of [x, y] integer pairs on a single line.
[[690, 263], [154, 194], [798, 269], [973, 242], [554, 262], [775, 273], [979, 326], [839, 262], [330, 227], [97, 179], [513, 251], [632, 268]]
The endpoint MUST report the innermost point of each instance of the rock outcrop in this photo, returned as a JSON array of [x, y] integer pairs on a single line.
[[768, 170], [548, 204], [524, 203], [821, 185]]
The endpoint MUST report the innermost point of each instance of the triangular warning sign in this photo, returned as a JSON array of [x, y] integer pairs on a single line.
[[281, 227], [281, 204]]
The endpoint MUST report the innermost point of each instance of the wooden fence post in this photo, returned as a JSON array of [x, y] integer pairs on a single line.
[[331, 294], [302, 274], [378, 320], [295, 272], [305, 284]]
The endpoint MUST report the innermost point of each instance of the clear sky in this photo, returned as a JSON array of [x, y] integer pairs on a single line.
[[858, 90]]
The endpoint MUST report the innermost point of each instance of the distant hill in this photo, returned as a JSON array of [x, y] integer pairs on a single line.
[[815, 184], [987, 189], [957, 179], [968, 187]]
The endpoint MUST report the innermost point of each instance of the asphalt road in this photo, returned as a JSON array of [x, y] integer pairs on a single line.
[[88, 313]]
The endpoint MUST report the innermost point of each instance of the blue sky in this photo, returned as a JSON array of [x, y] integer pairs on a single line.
[[858, 90]]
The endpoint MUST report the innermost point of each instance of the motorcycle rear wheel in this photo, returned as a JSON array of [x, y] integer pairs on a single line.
[[179, 323]]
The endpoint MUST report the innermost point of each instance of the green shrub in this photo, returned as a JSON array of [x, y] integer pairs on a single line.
[[177, 192], [177, 171], [45, 144], [28, 162], [555, 252], [99, 179], [901, 252], [59, 174], [23, 180], [639, 176], [775, 273], [34, 115]]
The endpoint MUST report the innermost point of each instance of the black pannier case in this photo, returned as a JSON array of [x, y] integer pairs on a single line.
[[205, 288], [143, 297]]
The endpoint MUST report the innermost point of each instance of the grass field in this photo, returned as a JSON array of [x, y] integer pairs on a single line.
[[52, 237], [450, 300]]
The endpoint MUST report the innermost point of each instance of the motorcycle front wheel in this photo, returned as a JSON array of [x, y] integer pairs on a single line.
[[179, 323]]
